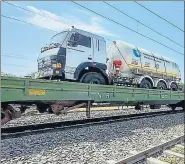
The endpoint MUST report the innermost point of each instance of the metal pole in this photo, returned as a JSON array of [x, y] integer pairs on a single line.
[[88, 109]]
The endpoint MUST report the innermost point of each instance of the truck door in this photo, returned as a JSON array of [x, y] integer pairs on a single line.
[[99, 51], [79, 50]]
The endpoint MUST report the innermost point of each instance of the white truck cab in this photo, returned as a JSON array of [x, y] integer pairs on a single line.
[[71, 54]]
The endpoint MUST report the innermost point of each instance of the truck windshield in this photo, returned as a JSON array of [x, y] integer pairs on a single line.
[[55, 41], [59, 38]]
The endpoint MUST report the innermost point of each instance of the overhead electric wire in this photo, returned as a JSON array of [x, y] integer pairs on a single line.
[[44, 16], [10, 55], [9, 64], [26, 22], [15, 56], [37, 13], [127, 27], [159, 16], [142, 23], [93, 12]]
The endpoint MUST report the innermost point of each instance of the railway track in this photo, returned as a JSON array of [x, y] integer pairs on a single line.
[[18, 131], [167, 152]]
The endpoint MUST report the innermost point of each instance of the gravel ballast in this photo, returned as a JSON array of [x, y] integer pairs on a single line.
[[94, 144], [35, 118]]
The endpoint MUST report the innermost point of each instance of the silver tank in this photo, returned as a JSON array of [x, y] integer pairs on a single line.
[[135, 58]]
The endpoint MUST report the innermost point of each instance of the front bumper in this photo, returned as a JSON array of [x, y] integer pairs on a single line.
[[50, 72]]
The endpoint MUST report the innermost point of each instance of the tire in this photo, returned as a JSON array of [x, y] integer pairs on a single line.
[[173, 87], [93, 78], [41, 107], [2, 115], [173, 107], [138, 107], [155, 106], [161, 85], [145, 84]]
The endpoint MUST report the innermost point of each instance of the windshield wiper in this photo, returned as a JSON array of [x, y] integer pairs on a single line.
[[54, 45]]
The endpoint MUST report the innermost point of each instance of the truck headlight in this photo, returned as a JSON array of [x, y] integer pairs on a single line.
[[54, 65], [58, 65]]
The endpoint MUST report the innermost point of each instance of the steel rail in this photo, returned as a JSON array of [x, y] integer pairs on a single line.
[[18, 131], [147, 155]]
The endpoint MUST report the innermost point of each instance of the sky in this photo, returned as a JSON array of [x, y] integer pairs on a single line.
[[21, 43]]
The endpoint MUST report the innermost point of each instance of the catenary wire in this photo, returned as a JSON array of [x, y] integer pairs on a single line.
[[26, 22], [37, 13], [17, 57], [59, 21], [142, 24], [104, 2], [127, 27], [159, 16], [103, 17]]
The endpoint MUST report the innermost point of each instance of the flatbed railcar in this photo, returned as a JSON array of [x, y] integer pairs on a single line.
[[61, 96]]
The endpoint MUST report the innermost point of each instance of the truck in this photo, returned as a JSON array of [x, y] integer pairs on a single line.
[[81, 56]]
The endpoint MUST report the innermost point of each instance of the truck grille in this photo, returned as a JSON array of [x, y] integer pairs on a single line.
[[43, 63]]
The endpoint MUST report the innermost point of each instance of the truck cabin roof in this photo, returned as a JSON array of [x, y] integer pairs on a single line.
[[82, 32], [88, 34]]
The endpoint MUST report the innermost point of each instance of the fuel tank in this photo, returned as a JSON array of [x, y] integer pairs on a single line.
[[138, 61]]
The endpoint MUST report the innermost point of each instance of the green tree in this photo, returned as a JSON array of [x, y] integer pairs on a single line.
[[7, 74], [182, 84], [31, 75]]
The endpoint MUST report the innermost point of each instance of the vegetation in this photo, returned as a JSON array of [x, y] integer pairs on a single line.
[[30, 75], [182, 84], [8, 74]]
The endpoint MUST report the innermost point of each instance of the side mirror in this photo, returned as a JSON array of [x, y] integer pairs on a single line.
[[69, 42], [73, 42]]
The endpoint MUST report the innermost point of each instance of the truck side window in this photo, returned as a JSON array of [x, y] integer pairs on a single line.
[[73, 41], [84, 41]]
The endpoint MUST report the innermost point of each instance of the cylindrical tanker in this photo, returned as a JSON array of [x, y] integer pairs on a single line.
[[136, 62]]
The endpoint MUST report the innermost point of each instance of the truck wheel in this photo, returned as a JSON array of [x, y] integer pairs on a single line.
[[41, 107], [172, 106], [155, 106], [93, 78], [145, 84], [173, 87], [161, 85], [139, 107]]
